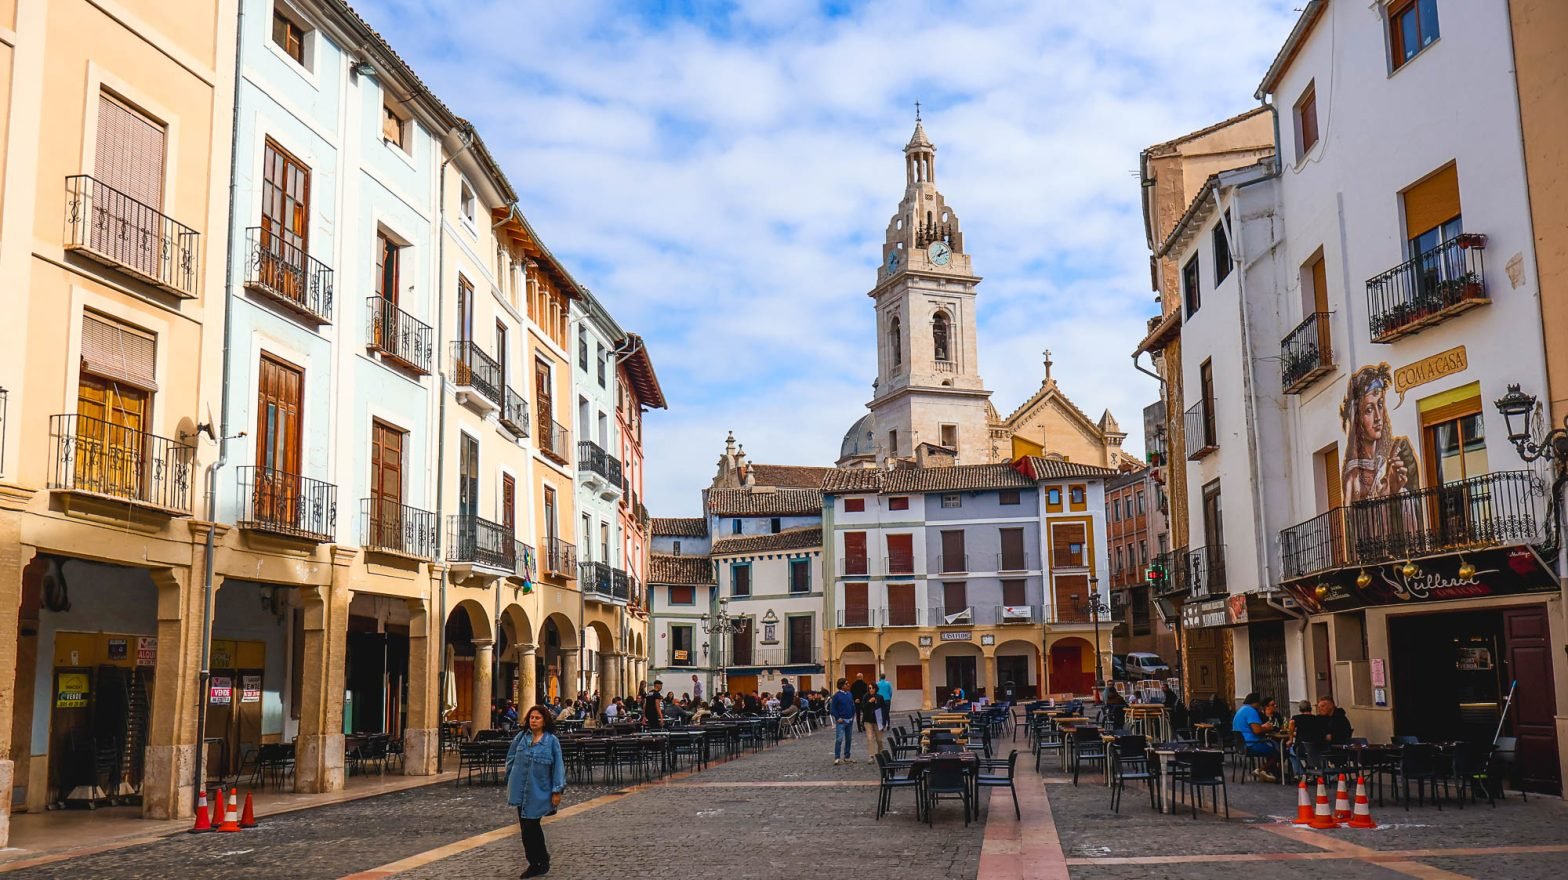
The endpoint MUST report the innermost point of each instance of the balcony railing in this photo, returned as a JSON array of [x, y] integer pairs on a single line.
[[398, 335], [287, 504], [1199, 424], [857, 617], [117, 230], [855, 565], [559, 558], [555, 441], [288, 275], [514, 412], [1429, 289], [527, 561], [907, 615], [1501, 509], [620, 584], [592, 458], [472, 368], [1206, 572], [390, 527], [1017, 614], [1307, 353], [781, 655], [954, 564], [962, 616], [103, 458], [900, 563], [1169, 583], [594, 578], [479, 541], [1014, 562]]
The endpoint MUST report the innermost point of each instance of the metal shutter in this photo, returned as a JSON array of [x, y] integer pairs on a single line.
[[129, 153], [118, 353]]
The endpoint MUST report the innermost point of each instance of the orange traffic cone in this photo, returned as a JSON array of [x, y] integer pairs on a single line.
[[1362, 817], [1323, 817], [231, 816], [203, 820], [248, 817], [1342, 802], [1303, 804]]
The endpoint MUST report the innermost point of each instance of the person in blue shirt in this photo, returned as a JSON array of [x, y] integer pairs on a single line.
[[842, 708], [885, 692], [535, 779], [1249, 722]]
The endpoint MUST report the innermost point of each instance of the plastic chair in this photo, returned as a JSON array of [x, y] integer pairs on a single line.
[[994, 780], [1205, 770], [946, 778], [894, 777], [1130, 761], [1087, 749], [1419, 762]]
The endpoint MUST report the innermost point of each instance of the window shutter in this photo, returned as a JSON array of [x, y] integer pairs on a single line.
[[118, 353], [129, 153], [1432, 202]]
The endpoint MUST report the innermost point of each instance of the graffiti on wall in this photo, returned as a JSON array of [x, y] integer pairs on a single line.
[[1377, 463]]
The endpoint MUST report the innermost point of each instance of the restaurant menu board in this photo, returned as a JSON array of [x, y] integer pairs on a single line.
[[1506, 571]]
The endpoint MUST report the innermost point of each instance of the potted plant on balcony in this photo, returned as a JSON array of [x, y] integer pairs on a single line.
[[1468, 240], [1460, 288]]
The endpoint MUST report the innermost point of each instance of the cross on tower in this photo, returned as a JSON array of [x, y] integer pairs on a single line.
[[917, 111], [1048, 364]]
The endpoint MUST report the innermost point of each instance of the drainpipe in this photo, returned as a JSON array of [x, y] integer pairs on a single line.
[[205, 673], [466, 134]]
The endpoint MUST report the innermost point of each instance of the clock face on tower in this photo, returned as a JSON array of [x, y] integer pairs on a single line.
[[940, 252], [892, 261]]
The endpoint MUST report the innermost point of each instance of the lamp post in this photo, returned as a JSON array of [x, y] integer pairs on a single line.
[[1097, 607], [722, 624], [1518, 408]]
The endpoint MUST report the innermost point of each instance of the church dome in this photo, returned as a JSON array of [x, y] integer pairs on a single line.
[[860, 439]]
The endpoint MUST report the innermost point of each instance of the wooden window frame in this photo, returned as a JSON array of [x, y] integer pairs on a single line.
[[1305, 112], [898, 502], [688, 590], [854, 505], [1220, 246], [1191, 286], [291, 39], [1396, 11]]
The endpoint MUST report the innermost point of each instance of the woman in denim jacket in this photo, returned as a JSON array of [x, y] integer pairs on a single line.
[[535, 778]]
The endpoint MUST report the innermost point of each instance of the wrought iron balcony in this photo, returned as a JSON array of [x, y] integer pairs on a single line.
[[287, 275], [527, 561], [1014, 562], [389, 527], [907, 615], [112, 228], [1198, 422], [782, 655], [96, 457], [559, 558], [1502, 509], [1166, 570], [858, 564], [965, 615], [1017, 614], [594, 578], [1206, 572], [555, 441], [477, 375], [1306, 354], [857, 617], [287, 504], [620, 584], [957, 563], [399, 336], [1431, 288], [514, 412], [602, 470], [479, 541], [899, 563]]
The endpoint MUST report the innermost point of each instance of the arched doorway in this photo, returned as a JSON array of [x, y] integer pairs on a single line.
[[466, 674], [857, 658], [958, 666], [1072, 667], [901, 662], [556, 660], [514, 680], [1018, 667]]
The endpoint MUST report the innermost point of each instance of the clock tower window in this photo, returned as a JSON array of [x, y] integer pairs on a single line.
[[895, 342], [940, 332]]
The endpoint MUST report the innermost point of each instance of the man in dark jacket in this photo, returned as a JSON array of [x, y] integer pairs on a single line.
[[842, 708], [786, 695], [857, 691], [1336, 725], [653, 707]]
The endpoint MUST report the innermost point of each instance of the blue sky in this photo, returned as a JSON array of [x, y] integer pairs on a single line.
[[721, 174]]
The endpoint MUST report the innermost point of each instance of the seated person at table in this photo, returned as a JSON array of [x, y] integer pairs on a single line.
[[1254, 731], [1306, 736], [702, 712], [1115, 708], [1336, 725], [614, 710]]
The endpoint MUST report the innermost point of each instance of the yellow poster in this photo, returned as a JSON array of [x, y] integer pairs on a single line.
[[71, 690]]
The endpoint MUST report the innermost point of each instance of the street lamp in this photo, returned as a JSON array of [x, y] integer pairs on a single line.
[[1097, 607], [722, 624], [1518, 408]]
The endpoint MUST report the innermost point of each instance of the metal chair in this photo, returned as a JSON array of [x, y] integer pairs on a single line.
[[946, 779], [996, 780], [893, 776], [1205, 770]]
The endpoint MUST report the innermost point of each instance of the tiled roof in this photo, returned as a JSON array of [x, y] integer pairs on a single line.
[[789, 476], [680, 527], [789, 539], [770, 502], [957, 478], [1057, 469], [666, 569]]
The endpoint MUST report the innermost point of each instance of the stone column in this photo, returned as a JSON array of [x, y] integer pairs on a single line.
[[926, 685], [422, 736], [527, 656], [14, 559], [990, 683], [170, 762], [615, 669], [570, 682], [483, 690], [318, 754]]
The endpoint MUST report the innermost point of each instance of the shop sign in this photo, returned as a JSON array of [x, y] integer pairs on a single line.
[[1430, 369], [221, 690], [925, 641], [250, 689], [681, 654], [71, 690], [1236, 609], [962, 635], [1203, 615], [1506, 571], [146, 651], [119, 649]]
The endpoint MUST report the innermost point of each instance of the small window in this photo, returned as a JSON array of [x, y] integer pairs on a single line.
[[1053, 496], [740, 580], [800, 575], [677, 548], [394, 128], [1116, 511], [466, 203], [735, 527], [582, 347], [854, 505], [898, 503], [1009, 497], [952, 499], [1306, 121], [599, 350], [1075, 495], [683, 594], [1189, 286], [776, 525], [1412, 26], [1222, 261], [288, 35], [1140, 504]]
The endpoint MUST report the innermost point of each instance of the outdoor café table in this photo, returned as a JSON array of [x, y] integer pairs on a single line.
[[1205, 732], [1149, 718], [1282, 741]]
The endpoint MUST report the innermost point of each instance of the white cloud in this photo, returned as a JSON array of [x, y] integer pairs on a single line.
[[722, 181]]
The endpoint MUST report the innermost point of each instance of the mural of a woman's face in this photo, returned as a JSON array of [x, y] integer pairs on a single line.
[[1369, 416]]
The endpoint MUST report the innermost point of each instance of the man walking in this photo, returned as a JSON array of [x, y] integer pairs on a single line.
[[842, 708], [653, 707], [858, 692], [696, 689], [885, 693]]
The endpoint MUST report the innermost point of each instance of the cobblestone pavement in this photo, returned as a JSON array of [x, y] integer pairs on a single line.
[[1516, 840]]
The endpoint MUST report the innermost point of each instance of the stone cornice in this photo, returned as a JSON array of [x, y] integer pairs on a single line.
[[14, 497]]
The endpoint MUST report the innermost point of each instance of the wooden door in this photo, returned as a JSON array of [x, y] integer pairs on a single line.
[[128, 158], [1066, 674], [953, 551], [901, 605], [386, 485], [1527, 640], [1012, 550], [285, 222], [900, 554], [854, 552], [509, 504], [1072, 598], [464, 332], [857, 605], [109, 442], [278, 391], [1067, 545], [544, 395], [501, 348], [385, 321], [741, 644], [801, 636], [1206, 388]]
